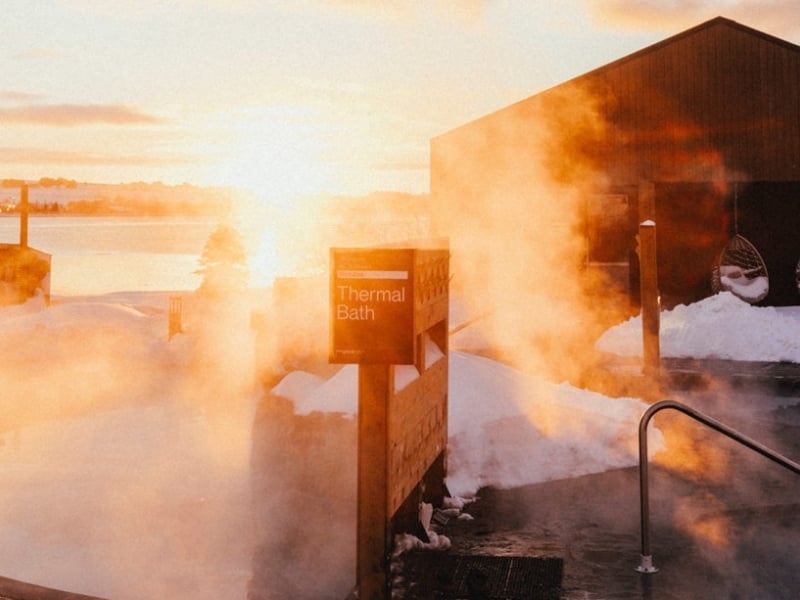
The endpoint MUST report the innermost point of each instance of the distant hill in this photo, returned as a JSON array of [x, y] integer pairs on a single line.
[[62, 196]]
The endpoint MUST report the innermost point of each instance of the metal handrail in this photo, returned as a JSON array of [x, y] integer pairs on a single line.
[[646, 564]]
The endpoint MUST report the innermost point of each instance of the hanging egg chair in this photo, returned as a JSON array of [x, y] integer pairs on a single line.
[[797, 276], [740, 270]]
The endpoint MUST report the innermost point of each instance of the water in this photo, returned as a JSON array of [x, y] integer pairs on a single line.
[[98, 255], [727, 531]]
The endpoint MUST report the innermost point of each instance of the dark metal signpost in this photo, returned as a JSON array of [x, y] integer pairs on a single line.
[[386, 304]]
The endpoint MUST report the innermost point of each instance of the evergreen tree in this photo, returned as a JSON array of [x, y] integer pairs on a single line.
[[223, 263]]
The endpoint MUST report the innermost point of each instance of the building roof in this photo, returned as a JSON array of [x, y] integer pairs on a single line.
[[710, 24], [717, 22]]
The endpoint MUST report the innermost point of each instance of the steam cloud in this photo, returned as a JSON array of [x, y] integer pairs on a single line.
[[125, 456]]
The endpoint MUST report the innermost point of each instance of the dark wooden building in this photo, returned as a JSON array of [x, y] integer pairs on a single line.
[[699, 132]]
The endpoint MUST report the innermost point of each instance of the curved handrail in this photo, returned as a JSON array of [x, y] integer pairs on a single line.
[[646, 564]]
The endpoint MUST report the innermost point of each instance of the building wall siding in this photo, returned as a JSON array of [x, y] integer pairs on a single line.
[[718, 105]]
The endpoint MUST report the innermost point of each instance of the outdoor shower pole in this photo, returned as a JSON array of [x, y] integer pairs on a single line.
[[646, 564]]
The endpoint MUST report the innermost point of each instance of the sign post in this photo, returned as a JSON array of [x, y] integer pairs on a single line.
[[388, 307], [372, 306], [373, 534]]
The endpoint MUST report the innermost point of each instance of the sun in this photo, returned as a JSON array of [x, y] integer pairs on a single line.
[[281, 159], [276, 153], [264, 264]]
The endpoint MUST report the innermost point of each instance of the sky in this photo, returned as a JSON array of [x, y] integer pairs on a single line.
[[302, 97]]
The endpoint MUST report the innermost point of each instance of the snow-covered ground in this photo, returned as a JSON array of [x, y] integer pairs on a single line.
[[126, 472], [503, 422], [505, 428], [721, 326]]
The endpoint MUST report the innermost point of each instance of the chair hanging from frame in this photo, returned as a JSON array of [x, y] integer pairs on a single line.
[[740, 269], [797, 275]]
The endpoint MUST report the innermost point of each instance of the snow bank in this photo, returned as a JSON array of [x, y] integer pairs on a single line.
[[506, 429], [720, 326]]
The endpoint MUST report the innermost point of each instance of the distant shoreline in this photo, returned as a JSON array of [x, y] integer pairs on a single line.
[[111, 215]]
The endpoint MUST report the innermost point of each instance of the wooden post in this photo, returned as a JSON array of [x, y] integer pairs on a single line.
[[23, 216], [651, 303], [373, 520], [175, 326], [386, 304], [647, 201]]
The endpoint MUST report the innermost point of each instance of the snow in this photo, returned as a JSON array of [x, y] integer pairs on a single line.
[[505, 428], [503, 423], [720, 326], [107, 457], [733, 280]]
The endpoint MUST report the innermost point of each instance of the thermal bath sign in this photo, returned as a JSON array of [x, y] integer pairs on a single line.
[[372, 305]]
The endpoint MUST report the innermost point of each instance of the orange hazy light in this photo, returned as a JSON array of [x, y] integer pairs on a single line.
[[702, 516], [693, 453]]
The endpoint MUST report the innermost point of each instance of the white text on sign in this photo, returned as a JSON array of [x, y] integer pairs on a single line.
[[358, 304]]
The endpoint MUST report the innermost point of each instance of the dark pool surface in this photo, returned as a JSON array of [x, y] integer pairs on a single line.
[[724, 521]]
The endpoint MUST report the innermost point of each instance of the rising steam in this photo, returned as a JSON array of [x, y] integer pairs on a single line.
[[510, 192], [126, 456]]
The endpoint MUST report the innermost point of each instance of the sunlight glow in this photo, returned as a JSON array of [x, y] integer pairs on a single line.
[[276, 153], [264, 265]]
